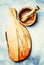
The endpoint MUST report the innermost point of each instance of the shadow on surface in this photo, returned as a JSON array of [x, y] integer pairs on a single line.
[[34, 60], [30, 60]]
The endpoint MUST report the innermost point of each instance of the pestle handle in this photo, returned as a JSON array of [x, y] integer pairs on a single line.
[[25, 17]]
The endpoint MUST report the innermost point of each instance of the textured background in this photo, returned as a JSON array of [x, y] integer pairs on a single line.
[[36, 31]]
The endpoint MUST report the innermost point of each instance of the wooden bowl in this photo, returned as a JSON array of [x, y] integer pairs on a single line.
[[30, 20]]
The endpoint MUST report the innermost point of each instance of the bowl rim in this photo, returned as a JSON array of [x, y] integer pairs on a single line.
[[23, 22]]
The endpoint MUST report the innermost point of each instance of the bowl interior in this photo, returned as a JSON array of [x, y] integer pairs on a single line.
[[30, 20]]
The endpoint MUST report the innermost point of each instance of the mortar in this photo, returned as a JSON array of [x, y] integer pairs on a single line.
[[30, 20]]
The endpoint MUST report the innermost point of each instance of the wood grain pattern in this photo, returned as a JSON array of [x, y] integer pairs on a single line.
[[19, 42]]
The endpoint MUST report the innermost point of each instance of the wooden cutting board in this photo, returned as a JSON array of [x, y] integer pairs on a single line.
[[18, 38]]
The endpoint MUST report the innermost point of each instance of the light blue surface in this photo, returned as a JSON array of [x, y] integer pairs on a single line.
[[36, 31]]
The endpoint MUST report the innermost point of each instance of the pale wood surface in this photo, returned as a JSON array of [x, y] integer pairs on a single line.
[[19, 41]]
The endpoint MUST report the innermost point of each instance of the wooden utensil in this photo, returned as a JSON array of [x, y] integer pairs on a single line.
[[18, 39], [25, 17]]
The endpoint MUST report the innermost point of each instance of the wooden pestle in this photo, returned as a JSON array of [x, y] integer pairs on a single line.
[[26, 16]]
